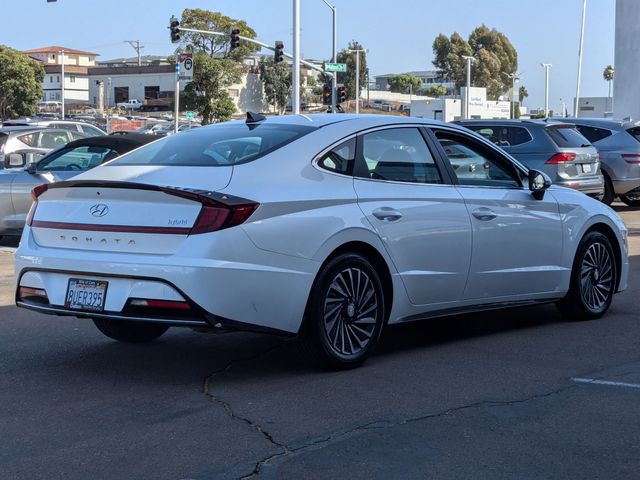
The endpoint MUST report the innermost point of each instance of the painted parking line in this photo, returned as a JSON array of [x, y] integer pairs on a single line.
[[605, 382]]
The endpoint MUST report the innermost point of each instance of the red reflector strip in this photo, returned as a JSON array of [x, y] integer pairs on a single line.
[[170, 304], [28, 291], [631, 157], [90, 227]]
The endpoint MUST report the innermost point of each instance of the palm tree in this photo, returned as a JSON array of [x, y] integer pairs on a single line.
[[522, 93], [608, 75]]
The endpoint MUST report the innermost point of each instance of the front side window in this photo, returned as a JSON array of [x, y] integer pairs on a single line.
[[341, 158], [493, 134], [517, 136], [216, 146], [76, 159], [398, 155], [476, 165]]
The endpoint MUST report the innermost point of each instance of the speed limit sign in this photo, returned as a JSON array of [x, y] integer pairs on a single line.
[[186, 66]]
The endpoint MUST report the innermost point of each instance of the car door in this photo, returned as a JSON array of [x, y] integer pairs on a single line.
[[420, 217], [517, 240]]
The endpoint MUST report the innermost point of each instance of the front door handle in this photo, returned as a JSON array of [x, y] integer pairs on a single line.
[[387, 214], [484, 213]]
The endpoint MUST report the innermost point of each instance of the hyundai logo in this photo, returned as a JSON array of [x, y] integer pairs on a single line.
[[99, 210]]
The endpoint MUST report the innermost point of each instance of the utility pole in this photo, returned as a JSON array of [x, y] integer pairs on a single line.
[[469, 60], [135, 44], [334, 59], [514, 78], [295, 78], [584, 14], [546, 67], [61, 56], [357, 79]]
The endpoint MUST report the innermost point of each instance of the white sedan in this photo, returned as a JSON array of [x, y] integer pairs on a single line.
[[327, 227]]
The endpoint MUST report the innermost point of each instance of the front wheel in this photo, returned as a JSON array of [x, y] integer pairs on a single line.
[[130, 331], [593, 279], [345, 314], [632, 198]]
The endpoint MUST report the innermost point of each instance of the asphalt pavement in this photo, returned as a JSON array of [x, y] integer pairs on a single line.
[[515, 394]]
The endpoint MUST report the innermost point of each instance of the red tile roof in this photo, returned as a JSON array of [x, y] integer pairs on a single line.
[[56, 49]]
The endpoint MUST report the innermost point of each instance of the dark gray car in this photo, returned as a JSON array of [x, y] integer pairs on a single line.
[[553, 147], [618, 143]]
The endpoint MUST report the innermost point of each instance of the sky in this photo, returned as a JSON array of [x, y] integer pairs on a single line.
[[398, 34]]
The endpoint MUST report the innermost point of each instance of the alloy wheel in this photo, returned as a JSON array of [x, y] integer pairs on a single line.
[[596, 276]]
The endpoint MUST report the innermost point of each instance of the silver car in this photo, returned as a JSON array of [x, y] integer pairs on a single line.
[[28, 143]]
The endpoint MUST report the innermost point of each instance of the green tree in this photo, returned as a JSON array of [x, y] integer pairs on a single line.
[[495, 58], [207, 93], [608, 75], [20, 83], [522, 93], [435, 91], [349, 78], [276, 78], [404, 83]]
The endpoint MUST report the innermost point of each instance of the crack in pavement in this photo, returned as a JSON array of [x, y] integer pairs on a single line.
[[384, 424]]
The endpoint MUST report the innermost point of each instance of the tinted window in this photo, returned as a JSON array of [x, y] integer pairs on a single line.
[[340, 159], [399, 155], [567, 137], [493, 134], [76, 159], [476, 165], [593, 134], [52, 139], [518, 136], [91, 131], [215, 146], [635, 132]]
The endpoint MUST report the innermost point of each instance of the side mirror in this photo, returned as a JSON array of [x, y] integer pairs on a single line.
[[15, 160], [538, 183]]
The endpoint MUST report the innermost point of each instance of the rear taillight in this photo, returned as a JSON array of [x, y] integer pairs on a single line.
[[631, 157], [561, 158], [35, 193]]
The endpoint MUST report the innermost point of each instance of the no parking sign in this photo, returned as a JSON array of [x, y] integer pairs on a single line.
[[185, 60]]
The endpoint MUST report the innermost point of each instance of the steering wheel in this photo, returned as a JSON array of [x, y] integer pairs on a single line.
[[74, 166]]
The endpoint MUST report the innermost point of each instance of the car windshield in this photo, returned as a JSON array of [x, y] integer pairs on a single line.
[[215, 146], [79, 158]]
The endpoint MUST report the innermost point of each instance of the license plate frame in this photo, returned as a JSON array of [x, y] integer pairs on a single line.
[[85, 294]]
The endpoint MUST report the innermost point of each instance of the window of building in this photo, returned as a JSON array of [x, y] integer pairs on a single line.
[[53, 56], [58, 78], [51, 78], [151, 92], [234, 92], [72, 79]]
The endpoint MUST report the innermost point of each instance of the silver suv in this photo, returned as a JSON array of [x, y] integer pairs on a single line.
[[84, 128], [553, 147]]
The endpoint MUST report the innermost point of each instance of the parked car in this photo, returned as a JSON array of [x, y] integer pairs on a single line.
[[552, 147], [84, 128], [32, 140], [62, 164], [618, 143], [327, 227], [132, 104]]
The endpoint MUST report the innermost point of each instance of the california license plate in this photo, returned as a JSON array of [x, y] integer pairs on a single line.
[[83, 294], [586, 168]]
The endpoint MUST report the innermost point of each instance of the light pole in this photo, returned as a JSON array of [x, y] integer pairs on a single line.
[[469, 60], [357, 52], [295, 77], [61, 56], [584, 14], [546, 67], [514, 78], [334, 59]]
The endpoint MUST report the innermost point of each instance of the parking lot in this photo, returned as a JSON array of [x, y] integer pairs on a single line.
[[514, 394]]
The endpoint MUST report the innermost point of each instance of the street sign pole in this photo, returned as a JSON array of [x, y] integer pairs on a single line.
[[177, 96]]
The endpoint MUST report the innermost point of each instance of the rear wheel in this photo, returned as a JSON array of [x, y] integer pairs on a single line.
[[631, 198], [608, 195], [345, 315], [593, 279], [129, 331]]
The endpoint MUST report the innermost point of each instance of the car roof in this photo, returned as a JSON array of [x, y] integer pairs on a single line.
[[21, 128], [610, 123], [127, 141], [320, 120]]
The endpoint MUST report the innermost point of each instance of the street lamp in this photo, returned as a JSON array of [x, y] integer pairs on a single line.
[[584, 13], [546, 67], [61, 57], [334, 59], [514, 78], [469, 60], [357, 52]]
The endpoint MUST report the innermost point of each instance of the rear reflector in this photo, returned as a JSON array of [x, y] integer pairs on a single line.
[[168, 304], [561, 158], [631, 157], [31, 292]]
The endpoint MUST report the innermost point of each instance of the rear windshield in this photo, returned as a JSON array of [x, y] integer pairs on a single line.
[[635, 133], [215, 146], [567, 137]]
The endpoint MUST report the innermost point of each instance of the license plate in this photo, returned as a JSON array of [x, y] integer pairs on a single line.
[[586, 168], [83, 294]]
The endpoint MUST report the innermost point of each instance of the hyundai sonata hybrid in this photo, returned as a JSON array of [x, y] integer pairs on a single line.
[[328, 227]]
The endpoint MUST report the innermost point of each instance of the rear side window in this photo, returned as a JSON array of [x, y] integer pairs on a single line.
[[635, 133], [493, 134], [340, 159], [594, 134], [567, 137], [90, 131], [27, 139], [215, 146]]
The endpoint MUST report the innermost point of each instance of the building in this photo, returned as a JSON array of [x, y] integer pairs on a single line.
[[76, 73], [627, 60], [450, 109], [596, 107], [428, 77]]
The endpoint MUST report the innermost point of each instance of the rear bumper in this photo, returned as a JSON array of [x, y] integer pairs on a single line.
[[589, 186], [626, 185]]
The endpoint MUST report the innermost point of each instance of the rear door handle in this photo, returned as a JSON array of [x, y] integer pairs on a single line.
[[387, 214], [484, 213]]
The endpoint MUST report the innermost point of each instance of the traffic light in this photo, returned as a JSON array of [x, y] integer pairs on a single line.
[[342, 93], [235, 38], [174, 26], [278, 54], [326, 94]]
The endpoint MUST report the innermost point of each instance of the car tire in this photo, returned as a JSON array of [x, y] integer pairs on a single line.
[[608, 196], [631, 199], [129, 331], [345, 314], [593, 279]]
